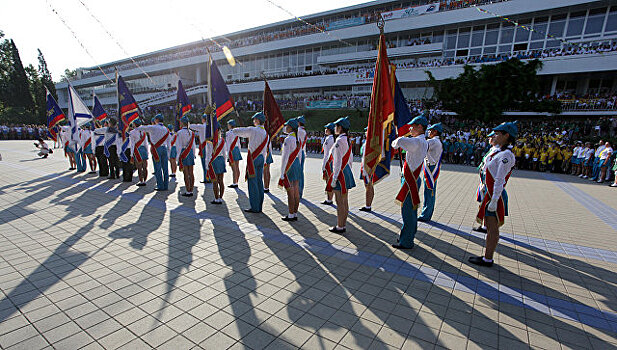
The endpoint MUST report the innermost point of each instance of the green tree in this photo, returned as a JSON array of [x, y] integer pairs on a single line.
[[19, 90], [487, 92], [68, 75], [37, 91], [45, 75]]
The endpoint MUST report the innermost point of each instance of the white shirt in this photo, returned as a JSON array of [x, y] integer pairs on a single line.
[[183, 141], [606, 152], [416, 148], [155, 132], [302, 137], [328, 143], [599, 150], [84, 135], [435, 148], [230, 136], [108, 136], [200, 129], [289, 145], [134, 137], [588, 153], [210, 151], [341, 145], [499, 166], [256, 135], [576, 152]]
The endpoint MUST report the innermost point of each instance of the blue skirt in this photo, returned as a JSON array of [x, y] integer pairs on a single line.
[[143, 152], [189, 160], [68, 149], [269, 159], [293, 174], [349, 181], [236, 154], [88, 150], [218, 165], [174, 152]]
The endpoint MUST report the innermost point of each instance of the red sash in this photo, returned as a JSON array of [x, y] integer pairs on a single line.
[[341, 175], [231, 148], [250, 166], [137, 145], [187, 150], [501, 207], [88, 142], [410, 186], [202, 146], [328, 172], [154, 146], [292, 157], [66, 145], [219, 149]]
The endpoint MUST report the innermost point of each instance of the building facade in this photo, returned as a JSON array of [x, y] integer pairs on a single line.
[[332, 58]]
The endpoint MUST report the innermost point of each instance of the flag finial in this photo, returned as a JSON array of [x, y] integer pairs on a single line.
[[381, 23]]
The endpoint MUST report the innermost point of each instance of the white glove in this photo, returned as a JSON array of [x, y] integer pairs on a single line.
[[283, 177], [492, 206]]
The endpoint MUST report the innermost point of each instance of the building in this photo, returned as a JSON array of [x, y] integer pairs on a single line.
[[332, 58]]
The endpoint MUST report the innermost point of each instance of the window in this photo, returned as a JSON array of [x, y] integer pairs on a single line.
[[505, 48], [575, 24], [490, 50], [450, 42], [491, 37], [522, 34], [477, 37], [553, 43], [594, 24], [539, 31], [507, 34], [611, 22], [448, 54], [536, 45], [461, 53], [475, 52], [520, 47], [463, 40], [556, 28]]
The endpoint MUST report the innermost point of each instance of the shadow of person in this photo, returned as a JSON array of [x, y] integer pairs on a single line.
[[127, 200], [46, 274], [184, 234], [305, 307]]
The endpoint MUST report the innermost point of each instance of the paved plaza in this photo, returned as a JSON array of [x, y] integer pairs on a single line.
[[91, 263]]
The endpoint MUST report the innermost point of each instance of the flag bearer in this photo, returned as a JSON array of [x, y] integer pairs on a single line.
[[290, 169], [302, 136], [215, 165], [341, 179], [234, 157], [431, 168], [186, 158], [139, 152], [158, 135]]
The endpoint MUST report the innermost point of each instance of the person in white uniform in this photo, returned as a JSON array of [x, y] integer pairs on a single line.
[[326, 147]]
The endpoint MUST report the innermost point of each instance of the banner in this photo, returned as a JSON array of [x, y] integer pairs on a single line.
[[365, 77], [344, 23], [410, 11], [333, 104]]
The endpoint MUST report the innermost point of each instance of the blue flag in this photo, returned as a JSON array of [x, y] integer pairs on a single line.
[[221, 97], [128, 111], [54, 116]]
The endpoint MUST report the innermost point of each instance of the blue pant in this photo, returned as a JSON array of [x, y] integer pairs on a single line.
[[161, 170], [410, 222], [301, 180], [81, 161], [596, 168], [429, 199], [203, 165], [256, 185]]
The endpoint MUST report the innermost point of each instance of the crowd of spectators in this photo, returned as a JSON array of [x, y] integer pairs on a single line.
[[22, 132]]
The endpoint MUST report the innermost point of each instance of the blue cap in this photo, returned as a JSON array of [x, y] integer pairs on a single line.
[[153, 120], [185, 120], [301, 120], [366, 129], [509, 127], [137, 122], [293, 123], [421, 119], [259, 116], [231, 122], [159, 117], [437, 127], [491, 134], [329, 126], [343, 122], [170, 127]]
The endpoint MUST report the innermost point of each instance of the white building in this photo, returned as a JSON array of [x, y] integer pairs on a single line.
[[334, 57]]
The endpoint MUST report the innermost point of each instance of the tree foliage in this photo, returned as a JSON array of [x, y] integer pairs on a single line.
[[487, 92], [22, 90]]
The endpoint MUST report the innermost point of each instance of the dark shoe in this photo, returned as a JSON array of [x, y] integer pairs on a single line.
[[266, 190], [215, 202], [249, 210], [398, 246], [479, 229], [477, 260], [423, 220], [172, 175], [365, 209], [327, 202], [160, 189], [92, 172], [140, 184], [187, 195], [232, 186], [334, 229], [72, 168], [287, 218]]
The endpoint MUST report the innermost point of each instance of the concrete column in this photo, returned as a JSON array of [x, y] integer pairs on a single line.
[[582, 86], [198, 75], [554, 85]]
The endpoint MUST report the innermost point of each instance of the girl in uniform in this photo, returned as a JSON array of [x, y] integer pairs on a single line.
[[290, 169], [173, 150], [139, 152], [234, 157], [341, 179], [186, 158], [327, 146], [495, 174], [215, 166]]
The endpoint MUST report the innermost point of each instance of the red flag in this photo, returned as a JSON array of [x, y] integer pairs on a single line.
[[274, 118], [381, 111]]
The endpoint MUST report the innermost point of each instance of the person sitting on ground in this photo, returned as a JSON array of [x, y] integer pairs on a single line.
[[44, 150]]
